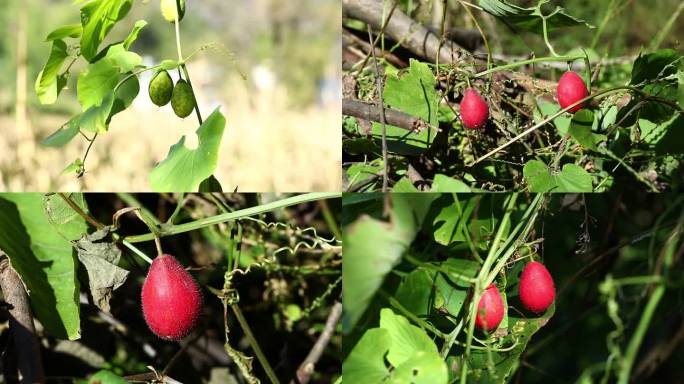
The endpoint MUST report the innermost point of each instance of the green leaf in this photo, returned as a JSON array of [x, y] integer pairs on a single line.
[[359, 172], [672, 141], [529, 18], [64, 134], [462, 267], [421, 368], [572, 178], [106, 377], [655, 73], [71, 30], [404, 185], [415, 292], [49, 82], [443, 183], [75, 167], [97, 117], [655, 65], [448, 228], [366, 362], [581, 130], [98, 18], [210, 184], [547, 109], [40, 251], [133, 35], [184, 169], [99, 79], [407, 339], [374, 247], [413, 93]]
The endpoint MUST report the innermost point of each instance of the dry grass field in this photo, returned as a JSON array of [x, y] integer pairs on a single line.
[[267, 146]]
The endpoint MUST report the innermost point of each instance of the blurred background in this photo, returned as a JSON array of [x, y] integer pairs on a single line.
[[622, 27], [281, 131]]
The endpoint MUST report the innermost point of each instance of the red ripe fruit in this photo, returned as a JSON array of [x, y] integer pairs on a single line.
[[536, 287], [171, 299], [474, 110], [571, 88], [490, 310]]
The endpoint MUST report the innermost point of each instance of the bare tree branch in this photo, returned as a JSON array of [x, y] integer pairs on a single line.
[[22, 332], [372, 112], [410, 34], [307, 367]]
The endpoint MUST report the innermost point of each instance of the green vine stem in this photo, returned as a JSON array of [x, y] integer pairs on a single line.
[[635, 342], [253, 343], [527, 62], [167, 230], [181, 203]]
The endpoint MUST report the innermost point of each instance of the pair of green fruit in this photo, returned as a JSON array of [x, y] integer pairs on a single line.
[[162, 91]]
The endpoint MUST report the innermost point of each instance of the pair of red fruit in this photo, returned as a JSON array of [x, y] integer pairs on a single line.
[[172, 302], [475, 111], [536, 291]]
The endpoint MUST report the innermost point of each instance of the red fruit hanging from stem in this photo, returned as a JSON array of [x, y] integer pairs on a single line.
[[536, 288], [474, 110], [490, 310], [171, 299], [571, 89]]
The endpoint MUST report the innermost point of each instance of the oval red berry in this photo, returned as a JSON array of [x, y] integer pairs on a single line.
[[171, 299], [571, 89], [490, 310], [474, 110], [536, 290]]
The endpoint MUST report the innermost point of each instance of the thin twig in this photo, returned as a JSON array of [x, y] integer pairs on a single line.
[[308, 365]]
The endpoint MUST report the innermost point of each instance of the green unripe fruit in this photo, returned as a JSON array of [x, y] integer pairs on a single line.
[[169, 9], [161, 88], [182, 100]]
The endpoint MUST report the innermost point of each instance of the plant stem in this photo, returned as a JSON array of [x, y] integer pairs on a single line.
[[330, 220], [637, 337], [222, 218], [133, 202], [526, 62], [181, 202], [135, 250], [602, 93], [253, 343]]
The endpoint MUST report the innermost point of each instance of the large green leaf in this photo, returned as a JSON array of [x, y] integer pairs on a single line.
[[99, 79], [373, 247], [39, 249], [581, 130], [98, 18], [421, 368], [572, 178], [414, 93], [531, 19], [366, 362], [184, 169], [408, 348], [443, 183], [49, 82]]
